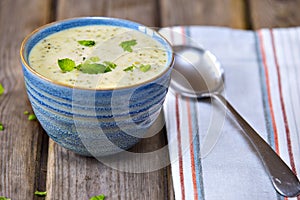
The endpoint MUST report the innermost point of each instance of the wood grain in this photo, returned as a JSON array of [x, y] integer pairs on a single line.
[[19, 142], [70, 176], [77, 177], [205, 12], [142, 11], [274, 13]]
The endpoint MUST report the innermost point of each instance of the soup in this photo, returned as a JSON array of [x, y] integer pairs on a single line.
[[98, 57]]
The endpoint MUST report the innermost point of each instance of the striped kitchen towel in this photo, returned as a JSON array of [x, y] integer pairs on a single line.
[[261, 81]]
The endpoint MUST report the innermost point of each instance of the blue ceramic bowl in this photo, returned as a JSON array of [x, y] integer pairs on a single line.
[[94, 122]]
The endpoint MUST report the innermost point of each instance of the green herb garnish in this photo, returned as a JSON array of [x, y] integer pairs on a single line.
[[1, 129], [107, 69], [1, 89], [93, 68], [88, 67], [4, 198], [39, 193], [87, 43], [66, 64], [130, 68], [145, 68], [126, 45], [94, 59], [99, 197], [31, 117], [110, 64]]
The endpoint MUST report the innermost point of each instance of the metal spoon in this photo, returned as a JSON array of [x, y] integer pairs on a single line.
[[205, 79]]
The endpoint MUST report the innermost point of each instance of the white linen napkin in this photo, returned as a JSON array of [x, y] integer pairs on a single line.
[[261, 81]]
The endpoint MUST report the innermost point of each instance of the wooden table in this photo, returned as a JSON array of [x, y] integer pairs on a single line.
[[29, 161]]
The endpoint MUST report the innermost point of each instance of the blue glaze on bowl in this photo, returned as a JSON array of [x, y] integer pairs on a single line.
[[94, 122]]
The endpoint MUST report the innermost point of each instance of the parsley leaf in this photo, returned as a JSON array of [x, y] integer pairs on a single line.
[[126, 45], [87, 43], [1, 129], [88, 67], [4, 198], [107, 69], [41, 194], [31, 117], [1, 89], [145, 68], [99, 197], [93, 68], [130, 68], [94, 59], [66, 64], [110, 64]]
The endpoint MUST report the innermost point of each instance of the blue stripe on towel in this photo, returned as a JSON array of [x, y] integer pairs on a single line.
[[267, 112], [196, 143]]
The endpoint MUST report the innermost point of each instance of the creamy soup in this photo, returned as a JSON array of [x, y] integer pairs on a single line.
[[99, 57]]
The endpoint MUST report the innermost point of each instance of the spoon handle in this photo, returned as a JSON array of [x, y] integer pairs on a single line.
[[284, 180]]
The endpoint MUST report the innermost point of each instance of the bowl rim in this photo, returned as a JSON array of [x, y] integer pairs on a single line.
[[48, 25]]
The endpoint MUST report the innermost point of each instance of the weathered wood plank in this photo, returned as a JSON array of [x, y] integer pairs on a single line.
[[205, 12], [19, 142], [143, 11], [75, 177], [274, 13]]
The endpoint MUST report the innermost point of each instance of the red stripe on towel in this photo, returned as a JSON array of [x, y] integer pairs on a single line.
[[179, 149], [190, 132], [264, 59], [286, 125], [183, 37], [192, 149]]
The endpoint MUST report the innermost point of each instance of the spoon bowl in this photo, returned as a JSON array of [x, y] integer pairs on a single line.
[[198, 74], [188, 79]]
